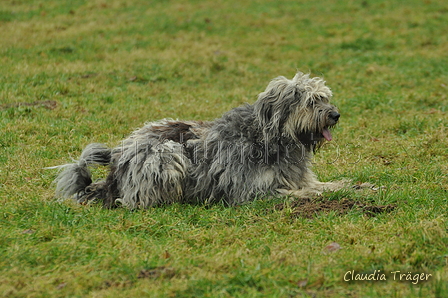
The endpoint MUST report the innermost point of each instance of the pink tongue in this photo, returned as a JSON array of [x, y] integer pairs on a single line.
[[327, 134]]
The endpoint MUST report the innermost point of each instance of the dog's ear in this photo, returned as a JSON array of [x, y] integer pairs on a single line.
[[274, 105]]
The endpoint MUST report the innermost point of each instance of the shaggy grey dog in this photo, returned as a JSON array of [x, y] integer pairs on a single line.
[[259, 149]]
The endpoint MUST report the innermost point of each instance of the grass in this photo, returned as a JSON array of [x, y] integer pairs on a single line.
[[109, 66]]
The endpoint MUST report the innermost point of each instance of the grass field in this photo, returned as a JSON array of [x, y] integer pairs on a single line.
[[76, 72]]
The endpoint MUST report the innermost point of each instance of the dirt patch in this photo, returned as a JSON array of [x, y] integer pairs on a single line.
[[157, 272], [308, 208], [48, 104]]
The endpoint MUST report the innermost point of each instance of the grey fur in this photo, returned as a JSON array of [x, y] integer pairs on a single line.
[[253, 150]]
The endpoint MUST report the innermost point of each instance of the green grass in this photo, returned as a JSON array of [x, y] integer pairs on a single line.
[[112, 65]]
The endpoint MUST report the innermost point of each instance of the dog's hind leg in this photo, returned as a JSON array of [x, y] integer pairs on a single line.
[[149, 173]]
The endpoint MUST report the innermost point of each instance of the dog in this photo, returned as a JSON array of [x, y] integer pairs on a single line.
[[260, 149]]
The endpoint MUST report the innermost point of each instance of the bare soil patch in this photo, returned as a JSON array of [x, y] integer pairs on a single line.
[[47, 104], [309, 207]]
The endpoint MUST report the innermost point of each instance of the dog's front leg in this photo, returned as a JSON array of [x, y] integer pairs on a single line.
[[315, 189]]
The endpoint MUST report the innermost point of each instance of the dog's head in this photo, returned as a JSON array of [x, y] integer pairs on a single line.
[[299, 109]]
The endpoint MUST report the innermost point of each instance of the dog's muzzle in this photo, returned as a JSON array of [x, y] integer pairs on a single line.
[[333, 118]]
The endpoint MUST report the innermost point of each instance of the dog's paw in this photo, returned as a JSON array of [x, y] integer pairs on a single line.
[[367, 185], [300, 193]]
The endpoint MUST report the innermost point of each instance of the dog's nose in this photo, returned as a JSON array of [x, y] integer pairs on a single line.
[[334, 115]]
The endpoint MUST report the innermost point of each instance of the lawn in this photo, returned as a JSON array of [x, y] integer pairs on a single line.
[[77, 72]]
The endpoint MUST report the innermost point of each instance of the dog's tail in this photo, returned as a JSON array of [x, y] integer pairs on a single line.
[[75, 177]]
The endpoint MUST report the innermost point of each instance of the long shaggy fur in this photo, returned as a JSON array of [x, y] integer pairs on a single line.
[[259, 149]]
